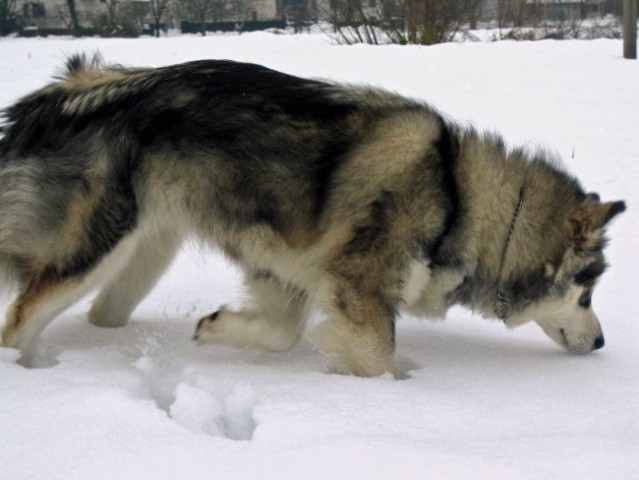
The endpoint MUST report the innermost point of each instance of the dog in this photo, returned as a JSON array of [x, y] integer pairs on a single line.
[[348, 199]]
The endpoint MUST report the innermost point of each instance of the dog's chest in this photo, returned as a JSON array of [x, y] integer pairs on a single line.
[[425, 292]]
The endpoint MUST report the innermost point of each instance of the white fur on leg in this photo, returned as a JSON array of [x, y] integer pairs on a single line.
[[61, 297], [354, 351], [115, 303], [243, 329], [275, 321]]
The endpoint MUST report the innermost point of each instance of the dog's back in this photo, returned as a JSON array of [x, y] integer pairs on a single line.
[[259, 138]]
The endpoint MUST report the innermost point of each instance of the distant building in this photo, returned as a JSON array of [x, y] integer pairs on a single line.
[[296, 10], [54, 14], [547, 9], [566, 9]]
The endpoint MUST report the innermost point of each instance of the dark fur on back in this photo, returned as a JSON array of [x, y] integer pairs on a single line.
[[275, 137]]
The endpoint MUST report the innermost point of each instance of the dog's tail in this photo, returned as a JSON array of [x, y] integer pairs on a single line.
[[79, 63]]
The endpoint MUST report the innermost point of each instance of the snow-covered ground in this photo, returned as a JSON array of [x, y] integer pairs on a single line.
[[481, 402]]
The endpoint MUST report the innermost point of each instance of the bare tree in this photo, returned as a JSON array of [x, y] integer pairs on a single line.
[[423, 22], [73, 16], [501, 10], [201, 11], [517, 12], [158, 9], [352, 23], [122, 18], [112, 8], [7, 14], [436, 21]]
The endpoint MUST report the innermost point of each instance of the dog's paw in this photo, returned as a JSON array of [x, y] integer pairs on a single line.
[[244, 329], [206, 328]]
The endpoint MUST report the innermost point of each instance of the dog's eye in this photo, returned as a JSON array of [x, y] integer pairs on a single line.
[[585, 298]]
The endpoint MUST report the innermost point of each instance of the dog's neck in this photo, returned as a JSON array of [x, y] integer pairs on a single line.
[[511, 211], [502, 304]]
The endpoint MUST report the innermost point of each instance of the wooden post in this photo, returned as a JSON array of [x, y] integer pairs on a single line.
[[630, 29]]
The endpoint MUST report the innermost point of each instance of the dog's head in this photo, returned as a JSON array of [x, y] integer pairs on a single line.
[[565, 311]]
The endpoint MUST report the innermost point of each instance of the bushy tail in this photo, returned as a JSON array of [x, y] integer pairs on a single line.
[[79, 63]]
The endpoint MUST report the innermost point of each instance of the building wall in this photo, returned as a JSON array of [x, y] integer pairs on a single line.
[[55, 13]]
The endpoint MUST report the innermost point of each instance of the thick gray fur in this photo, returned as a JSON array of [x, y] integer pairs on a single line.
[[350, 199]]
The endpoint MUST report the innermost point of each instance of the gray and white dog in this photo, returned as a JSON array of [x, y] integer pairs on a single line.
[[353, 200]]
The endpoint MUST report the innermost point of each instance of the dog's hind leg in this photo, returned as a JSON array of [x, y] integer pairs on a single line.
[[150, 259], [43, 296], [46, 292], [41, 299], [275, 321]]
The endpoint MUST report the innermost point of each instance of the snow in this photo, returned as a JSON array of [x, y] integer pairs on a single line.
[[478, 401]]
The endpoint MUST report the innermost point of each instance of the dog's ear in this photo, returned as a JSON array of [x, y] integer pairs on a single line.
[[614, 209], [585, 223]]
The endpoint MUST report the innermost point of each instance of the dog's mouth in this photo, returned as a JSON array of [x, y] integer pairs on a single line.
[[558, 336], [580, 345], [585, 343], [563, 341]]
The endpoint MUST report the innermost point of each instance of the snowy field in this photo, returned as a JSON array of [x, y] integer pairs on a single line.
[[480, 402]]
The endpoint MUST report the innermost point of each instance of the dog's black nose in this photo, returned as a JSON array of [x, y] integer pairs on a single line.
[[599, 342]]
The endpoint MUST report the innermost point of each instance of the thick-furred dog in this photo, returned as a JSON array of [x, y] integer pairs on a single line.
[[354, 200]]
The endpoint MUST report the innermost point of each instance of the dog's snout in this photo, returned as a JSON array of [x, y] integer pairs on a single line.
[[599, 342]]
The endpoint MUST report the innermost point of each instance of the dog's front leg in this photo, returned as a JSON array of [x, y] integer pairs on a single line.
[[359, 336]]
